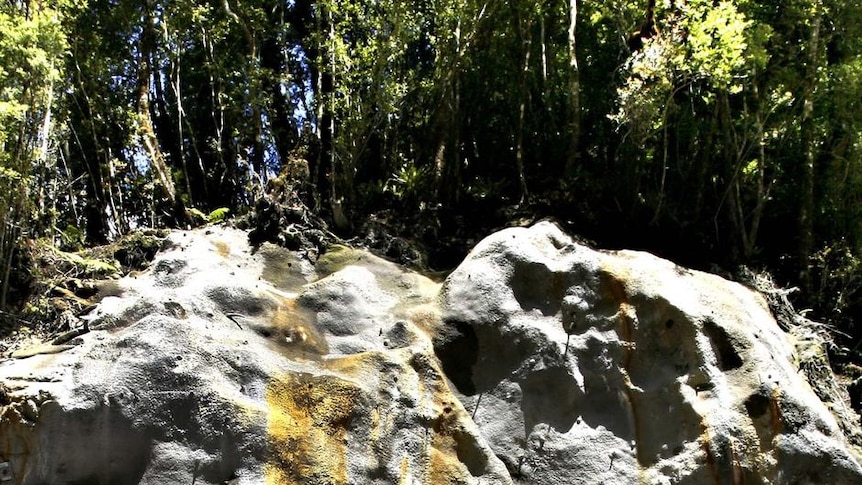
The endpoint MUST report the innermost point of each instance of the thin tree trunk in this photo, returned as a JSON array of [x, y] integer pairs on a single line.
[[448, 166], [455, 165], [216, 112], [544, 50], [809, 147], [95, 217], [254, 97], [47, 191], [328, 166], [763, 188], [9, 242], [524, 26], [145, 121], [115, 202], [180, 141], [62, 152], [165, 123], [574, 92]]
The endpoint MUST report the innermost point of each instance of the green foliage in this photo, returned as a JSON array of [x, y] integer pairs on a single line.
[[707, 47], [702, 144], [32, 45], [214, 217], [717, 43], [409, 183], [218, 215], [196, 216], [32, 42], [839, 282], [81, 266], [10, 176], [72, 238], [486, 188]]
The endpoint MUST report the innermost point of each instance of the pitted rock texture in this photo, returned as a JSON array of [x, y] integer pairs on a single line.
[[224, 364], [581, 366], [539, 361]]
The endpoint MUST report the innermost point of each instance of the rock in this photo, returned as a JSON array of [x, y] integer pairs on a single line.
[[537, 361], [220, 365], [40, 349], [582, 366]]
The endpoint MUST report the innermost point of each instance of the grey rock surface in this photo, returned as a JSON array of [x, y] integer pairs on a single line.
[[222, 364], [583, 366], [538, 361]]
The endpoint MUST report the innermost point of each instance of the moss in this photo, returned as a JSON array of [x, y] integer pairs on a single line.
[[282, 268], [137, 250], [336, 258], [63, 282]]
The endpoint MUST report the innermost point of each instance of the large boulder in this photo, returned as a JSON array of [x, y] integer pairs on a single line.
[[583, 366], [537, 361], [225, 364]]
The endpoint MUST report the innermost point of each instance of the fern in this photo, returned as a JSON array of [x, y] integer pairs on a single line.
[[85, 265], [218, 215], [196, 215]]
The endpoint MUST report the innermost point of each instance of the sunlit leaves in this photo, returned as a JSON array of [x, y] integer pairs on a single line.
[[717, 44], [31, 47], [702, 43]]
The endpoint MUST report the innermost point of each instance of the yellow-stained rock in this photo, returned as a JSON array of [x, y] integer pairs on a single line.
[[308, 426]]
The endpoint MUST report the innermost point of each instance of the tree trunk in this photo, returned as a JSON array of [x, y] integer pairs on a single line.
[[47, 191], [524, 27], [284, 131], [574, 92], [809, 147], [145, 121], [763, 186], [177, 88], [447, 157], [8, 244], [327, 166]]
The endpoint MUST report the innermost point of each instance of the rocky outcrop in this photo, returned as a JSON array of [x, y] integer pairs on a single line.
[[222, 364], [581, 366], [537, 361]]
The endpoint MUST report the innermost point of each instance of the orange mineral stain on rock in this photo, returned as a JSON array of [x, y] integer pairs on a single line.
[[443, 465], [614, 290], [454, 455], [17, 435], [404, 472], [222, 248], [307, 429], [294, 329], [355, 365], [775, 411]]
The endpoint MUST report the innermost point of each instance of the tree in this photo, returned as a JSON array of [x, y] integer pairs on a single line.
[[32, 43]]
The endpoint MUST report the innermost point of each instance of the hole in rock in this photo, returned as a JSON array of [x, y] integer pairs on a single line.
[[535, 286], [758, 403], [457, 347], [90, 446], [725, 346]]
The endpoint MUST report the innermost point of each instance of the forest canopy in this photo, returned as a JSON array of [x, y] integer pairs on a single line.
[[711, 132]]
